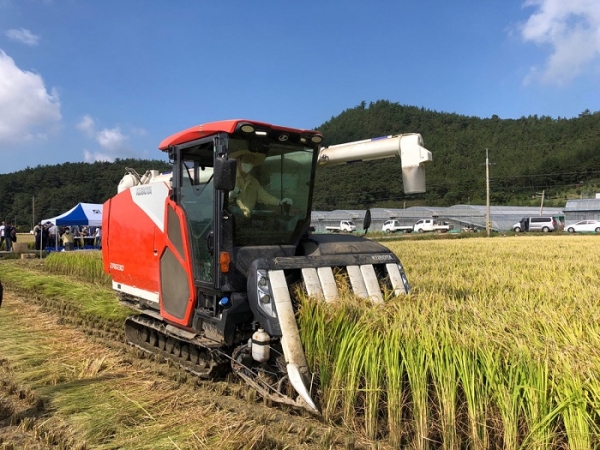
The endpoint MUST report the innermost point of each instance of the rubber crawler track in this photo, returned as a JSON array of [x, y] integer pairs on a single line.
[[199, 356]]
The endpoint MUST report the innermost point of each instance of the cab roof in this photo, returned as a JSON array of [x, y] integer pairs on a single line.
[[227, 126]]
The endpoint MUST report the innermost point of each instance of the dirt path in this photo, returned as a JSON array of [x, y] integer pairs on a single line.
[[63, 388]]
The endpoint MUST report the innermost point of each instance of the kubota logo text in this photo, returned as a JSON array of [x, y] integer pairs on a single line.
[[382, 257], [144, 190], [119, 267]]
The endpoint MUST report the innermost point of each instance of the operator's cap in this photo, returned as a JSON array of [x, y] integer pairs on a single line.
[[254, 158]]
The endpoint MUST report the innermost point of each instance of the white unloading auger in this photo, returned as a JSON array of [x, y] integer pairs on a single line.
[[409, 147]]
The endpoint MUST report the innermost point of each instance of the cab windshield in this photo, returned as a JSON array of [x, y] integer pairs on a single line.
[[271, 201]]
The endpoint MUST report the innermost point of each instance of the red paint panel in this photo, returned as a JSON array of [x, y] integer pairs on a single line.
[[128, 245]]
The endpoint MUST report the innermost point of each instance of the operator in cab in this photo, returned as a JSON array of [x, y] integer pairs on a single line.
[[248, 190]]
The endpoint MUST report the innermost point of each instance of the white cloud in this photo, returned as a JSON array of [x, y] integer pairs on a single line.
[[112, 141], [91, 157], [27, 110], [24, 36], [571, 29], [86, 124], [139, 131]]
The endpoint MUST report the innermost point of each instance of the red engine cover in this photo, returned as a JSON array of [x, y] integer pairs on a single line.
[[134, 240]]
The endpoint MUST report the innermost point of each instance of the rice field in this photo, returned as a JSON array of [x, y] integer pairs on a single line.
[[84, 265], [497, 346]]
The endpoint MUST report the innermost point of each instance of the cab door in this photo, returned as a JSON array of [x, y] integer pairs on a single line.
[[189, 259]]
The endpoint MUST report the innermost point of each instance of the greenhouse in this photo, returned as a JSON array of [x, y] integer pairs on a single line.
[[585, 209]]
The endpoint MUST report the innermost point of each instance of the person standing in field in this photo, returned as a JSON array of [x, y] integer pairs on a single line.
[[68, 240], [98, 237], [8, 235], [53, 236], [37, 232], [2, 233], [45, 234]]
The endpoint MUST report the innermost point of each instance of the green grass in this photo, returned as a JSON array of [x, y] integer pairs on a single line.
[[65, 293]]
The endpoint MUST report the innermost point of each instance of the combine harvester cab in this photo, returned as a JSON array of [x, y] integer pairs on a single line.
[[209, 252]]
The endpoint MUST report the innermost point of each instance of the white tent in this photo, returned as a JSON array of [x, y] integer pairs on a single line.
[[81, 214]]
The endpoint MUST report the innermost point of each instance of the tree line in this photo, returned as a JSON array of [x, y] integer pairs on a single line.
[[528, 156], [42, 192]]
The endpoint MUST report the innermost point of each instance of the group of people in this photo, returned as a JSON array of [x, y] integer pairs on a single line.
[[8, 235], [49, 235]]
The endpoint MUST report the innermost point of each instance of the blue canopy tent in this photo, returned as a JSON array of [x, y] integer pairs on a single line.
[[83, 214]]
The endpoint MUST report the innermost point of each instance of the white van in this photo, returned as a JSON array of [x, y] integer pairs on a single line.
[[539, 223]]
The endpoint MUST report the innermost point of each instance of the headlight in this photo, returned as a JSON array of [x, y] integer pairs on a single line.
[[263, 293]]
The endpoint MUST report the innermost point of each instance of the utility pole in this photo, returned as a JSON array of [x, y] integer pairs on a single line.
[[488, 228], [542, 205]]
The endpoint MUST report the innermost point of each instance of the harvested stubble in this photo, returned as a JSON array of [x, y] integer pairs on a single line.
[[96, 396], [496, 347]]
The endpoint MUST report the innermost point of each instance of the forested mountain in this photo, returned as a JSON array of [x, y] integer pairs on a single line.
[[528, 156], [46, 191]]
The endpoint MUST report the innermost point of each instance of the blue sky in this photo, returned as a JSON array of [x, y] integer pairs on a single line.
[[86, 80]]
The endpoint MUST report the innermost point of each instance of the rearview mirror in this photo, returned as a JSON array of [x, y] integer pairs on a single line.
[[224, 174], [367, 220]]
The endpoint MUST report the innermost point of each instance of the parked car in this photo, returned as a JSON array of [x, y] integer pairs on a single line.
[[345, 226], [392, 226], [584, 226], [424, 225], [538, 223]]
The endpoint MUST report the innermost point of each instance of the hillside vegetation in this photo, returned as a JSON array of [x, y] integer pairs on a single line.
[[528, 156], [559, 157], [47, 191]]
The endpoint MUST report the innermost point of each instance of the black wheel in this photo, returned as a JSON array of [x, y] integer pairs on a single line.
[[161, 341], [194, 354], [169, 345], [597, 230], [185, 352], [145, 334], [572, 230], [177, 348], [388, 231], [420, 230]]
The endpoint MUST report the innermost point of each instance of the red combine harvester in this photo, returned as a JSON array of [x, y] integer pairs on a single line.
[[208, 252]]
